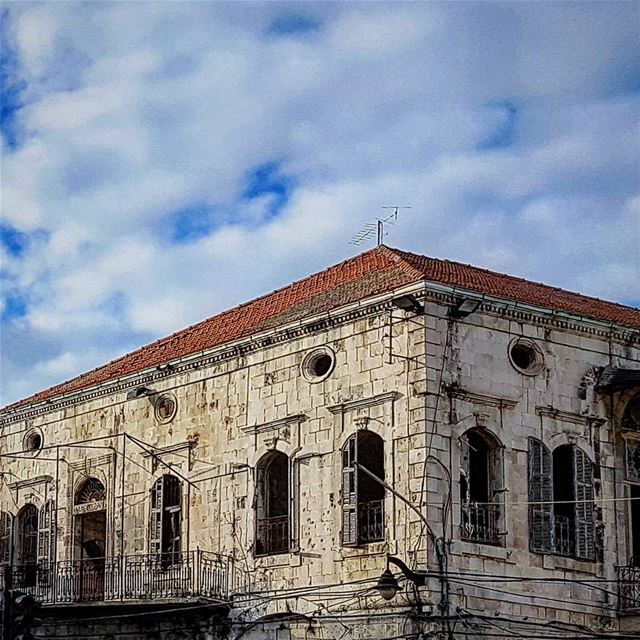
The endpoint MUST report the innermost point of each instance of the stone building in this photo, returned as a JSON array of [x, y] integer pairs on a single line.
[[253, 476]]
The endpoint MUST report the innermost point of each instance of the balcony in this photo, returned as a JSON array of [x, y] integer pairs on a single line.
[[628, 588], [371, 521], [132, 578], [480, 523]]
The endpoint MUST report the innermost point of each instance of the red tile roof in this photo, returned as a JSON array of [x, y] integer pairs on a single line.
[[377, 271]]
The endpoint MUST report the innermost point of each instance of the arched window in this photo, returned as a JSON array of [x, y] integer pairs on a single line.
[[480, 487], [166, 520], [362, 495], [27, 545], [6, 530], [561, 501], [273, 522]]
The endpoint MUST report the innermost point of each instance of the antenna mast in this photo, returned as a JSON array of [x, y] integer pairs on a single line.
[[378, 227]]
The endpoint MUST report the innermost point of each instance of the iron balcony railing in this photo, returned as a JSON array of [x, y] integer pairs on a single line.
[[194, 574], [272, 536], [371, 521], [480, 523], [563, 536], [628, 588]]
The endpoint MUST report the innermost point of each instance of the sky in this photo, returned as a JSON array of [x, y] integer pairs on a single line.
[[164, 161]]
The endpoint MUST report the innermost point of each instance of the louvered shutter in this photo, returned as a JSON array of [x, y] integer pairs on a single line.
[[45, 533], [155, 519], [350, 493], [6, 529], [540, 496], [583, 473]]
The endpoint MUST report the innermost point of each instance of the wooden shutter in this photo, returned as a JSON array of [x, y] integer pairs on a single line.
[[540, 495], [6, 530], [583, 474], [155, 516], [350, 493], [45, 533]]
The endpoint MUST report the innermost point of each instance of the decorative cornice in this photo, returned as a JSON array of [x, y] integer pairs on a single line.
[[364, 403], [158, 452], [568, 416], [29, 482], [423, 290], [275, 424], [481, 398]]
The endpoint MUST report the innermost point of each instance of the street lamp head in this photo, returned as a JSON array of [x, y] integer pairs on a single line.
[[387, 585]]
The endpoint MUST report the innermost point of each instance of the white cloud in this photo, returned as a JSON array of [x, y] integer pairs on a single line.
[[136, 111]]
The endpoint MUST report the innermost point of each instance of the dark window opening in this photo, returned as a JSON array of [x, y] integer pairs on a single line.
[[27, 545], [480, 479], [273, 527], [564, 500], [631, 415], [166, 520], [33, 441], [321, 365], [523, 357], [362, 496]]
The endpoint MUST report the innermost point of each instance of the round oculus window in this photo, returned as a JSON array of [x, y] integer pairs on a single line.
[[318, 364], [166, 407], [33, 441], [525, 356]]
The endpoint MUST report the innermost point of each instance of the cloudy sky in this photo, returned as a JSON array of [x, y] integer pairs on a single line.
[[163, 161]]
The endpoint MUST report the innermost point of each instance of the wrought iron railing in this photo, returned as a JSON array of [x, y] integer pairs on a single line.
[[563, 537], [272, 536], [371, 521], [194, 574], [480, 523], [628, 588]]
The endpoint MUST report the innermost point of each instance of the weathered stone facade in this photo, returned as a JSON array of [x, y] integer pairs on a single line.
[[421, 382]]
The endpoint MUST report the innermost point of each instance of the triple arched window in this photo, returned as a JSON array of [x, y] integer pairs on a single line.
[[561, 517]]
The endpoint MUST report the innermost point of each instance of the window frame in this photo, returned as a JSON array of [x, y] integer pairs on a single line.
[[164, 517], [542, 517]]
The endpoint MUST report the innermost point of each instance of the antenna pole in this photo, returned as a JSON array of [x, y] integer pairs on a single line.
[[380, 231]]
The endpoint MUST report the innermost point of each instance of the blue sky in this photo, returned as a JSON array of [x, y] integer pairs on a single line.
[[163, 161]]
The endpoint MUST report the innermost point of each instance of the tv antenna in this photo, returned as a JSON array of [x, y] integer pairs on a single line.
[[378, 226]]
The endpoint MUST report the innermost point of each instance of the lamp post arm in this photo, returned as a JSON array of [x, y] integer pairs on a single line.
[[418, 579], [398, 495]]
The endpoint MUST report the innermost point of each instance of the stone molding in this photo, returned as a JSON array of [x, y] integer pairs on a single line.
[[481, 398], [29, 482], [158, 452], [568, 416], [274, 424], [364, 403]]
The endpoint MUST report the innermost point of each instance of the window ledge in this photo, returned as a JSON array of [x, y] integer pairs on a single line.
[[370, 549], [463, 547], [286, 559], [569, 564]]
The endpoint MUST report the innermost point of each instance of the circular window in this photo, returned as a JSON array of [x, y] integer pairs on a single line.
[[33, 441], [165, 408], [318, 364], [631, 416], [525, 356]]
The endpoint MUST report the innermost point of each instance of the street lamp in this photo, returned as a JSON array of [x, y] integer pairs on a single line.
[[388, 586]]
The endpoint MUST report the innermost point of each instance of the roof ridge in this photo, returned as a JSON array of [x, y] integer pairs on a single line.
[[397, 255], [512, 277]]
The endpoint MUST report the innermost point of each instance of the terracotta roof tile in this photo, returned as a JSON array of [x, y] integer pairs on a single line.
[[371, 273]]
